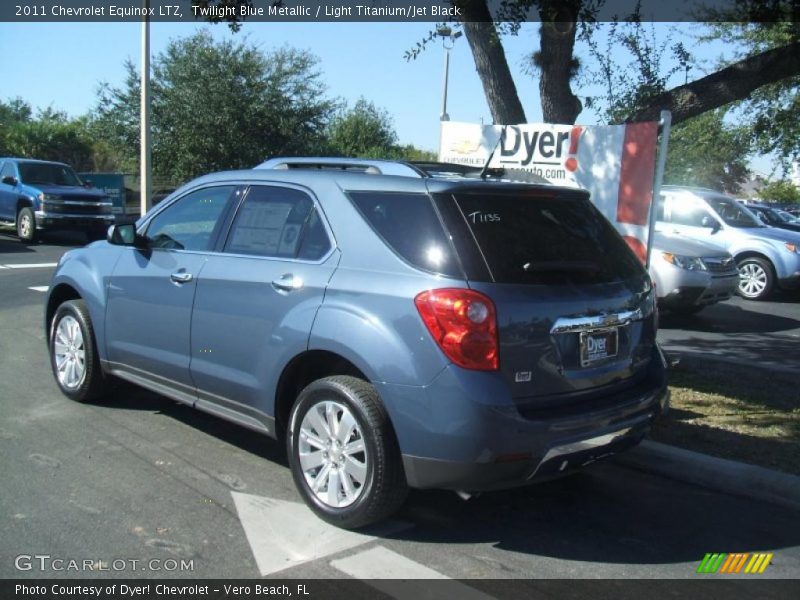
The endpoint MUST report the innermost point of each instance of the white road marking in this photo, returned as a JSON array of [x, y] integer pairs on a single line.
[[284, 534], [39, 288], [29, 266], [378, 567]]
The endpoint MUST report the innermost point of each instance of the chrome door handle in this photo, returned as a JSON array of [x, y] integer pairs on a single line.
[[181, 277], [287, 283]]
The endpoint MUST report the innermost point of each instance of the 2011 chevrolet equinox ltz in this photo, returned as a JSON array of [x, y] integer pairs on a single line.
[[396, 330]]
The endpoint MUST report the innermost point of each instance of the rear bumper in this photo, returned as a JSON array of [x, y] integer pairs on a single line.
[[465, 435]]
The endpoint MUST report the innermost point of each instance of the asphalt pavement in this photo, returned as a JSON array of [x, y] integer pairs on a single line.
[[143, 487]]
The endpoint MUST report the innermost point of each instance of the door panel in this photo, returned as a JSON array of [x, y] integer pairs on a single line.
[[148, 314], [150, 296], [256, 301], [245, 327]]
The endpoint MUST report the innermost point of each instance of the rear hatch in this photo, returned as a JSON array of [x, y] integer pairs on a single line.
[[574, 305]]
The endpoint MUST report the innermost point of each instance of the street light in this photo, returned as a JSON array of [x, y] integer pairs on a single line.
[[145, 167], [448, 39]]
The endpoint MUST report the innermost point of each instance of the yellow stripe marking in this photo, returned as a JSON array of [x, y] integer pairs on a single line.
[[754, 568], [765, 563], [751, 563]]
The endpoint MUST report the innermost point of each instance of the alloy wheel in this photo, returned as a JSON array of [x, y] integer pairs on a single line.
[[69, 352], [332, 454]]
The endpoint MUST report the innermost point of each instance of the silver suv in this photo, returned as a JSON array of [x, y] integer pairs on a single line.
[[766, 257]]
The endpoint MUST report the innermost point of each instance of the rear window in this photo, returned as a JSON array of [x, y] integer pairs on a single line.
[[546, 240], [409, 225]]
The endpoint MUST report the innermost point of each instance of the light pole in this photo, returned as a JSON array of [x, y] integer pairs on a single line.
[[145, 167], [448, 39]]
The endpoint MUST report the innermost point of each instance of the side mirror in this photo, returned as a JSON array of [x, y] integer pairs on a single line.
[[87, 183], [711, 223], [10, 180], [125, 235]]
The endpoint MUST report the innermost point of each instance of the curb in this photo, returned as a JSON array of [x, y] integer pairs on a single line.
[[718, 474]]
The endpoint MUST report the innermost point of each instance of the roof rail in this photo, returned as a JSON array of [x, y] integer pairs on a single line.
[[369, 166]]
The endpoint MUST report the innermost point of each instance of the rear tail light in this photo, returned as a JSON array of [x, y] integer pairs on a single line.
[[464, 325]]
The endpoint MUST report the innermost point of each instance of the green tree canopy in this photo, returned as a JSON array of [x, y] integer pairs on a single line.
[[217, 106], [363, 130], [707, 152], [780, 191]]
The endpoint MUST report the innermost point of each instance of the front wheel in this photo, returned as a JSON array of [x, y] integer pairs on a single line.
[[343, 453], [756, 278], [73, 353], [26, 225]]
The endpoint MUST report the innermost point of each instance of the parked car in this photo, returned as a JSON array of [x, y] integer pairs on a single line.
[[766, 257], [775, 217], [37, 195], [396, 331], [690, 275]]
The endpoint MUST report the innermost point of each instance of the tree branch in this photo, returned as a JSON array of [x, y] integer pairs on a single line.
[[735, 82]]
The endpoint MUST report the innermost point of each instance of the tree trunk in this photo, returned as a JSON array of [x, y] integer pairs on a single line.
[[735, 82], [490, 62], [556, 62]]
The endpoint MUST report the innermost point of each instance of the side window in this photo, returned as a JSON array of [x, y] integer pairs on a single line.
[[7, 170], [685, 213], [189, 223], [278, 222], [409, 226]]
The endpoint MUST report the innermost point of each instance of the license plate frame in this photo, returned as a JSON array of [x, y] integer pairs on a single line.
[[598, 345]]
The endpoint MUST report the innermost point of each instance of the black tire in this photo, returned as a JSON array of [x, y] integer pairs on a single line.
[[686, 311], [26, 226], [92, 384], [384, 487], [756, 278]]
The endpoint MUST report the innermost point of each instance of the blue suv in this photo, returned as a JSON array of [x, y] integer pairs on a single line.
[[39, 195], [394, 330]]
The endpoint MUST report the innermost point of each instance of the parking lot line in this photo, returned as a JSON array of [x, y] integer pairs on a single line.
[[39, 288], [28, 266], [379, 567]]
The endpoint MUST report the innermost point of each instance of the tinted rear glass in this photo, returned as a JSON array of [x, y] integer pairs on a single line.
[[409, 225], [546, 240]]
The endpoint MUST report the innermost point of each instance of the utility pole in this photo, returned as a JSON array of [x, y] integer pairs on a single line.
[[145, 166]]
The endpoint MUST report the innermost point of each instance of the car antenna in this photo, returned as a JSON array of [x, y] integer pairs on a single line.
[[485, 170]]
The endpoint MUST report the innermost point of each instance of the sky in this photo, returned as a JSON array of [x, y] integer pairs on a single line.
[[63, 64]]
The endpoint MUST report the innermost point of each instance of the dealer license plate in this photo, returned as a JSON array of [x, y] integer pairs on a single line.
[[598, 345]]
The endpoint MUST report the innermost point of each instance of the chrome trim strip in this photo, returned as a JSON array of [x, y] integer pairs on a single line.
[[76, 203], [46, 215], [587, 323]]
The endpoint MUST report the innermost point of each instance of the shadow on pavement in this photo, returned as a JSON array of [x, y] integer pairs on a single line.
[[728, 318], [755, 349], [604, 514]]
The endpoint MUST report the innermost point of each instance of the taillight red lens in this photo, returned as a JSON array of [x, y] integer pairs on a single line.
[[464, 325]]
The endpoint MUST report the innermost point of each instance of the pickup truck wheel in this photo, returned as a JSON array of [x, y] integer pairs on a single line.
[[756, 278], [26, 225], [73, 353], [343, 453]]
